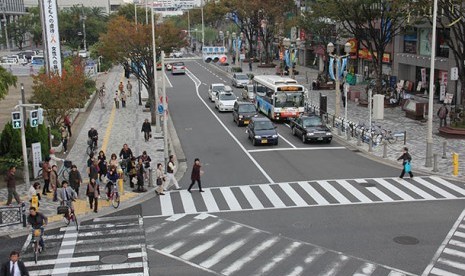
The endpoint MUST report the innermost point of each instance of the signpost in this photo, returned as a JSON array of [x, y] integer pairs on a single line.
[[16, 119]]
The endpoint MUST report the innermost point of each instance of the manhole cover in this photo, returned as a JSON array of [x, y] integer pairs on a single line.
[[367, 184], [406, 240], [114, 259]]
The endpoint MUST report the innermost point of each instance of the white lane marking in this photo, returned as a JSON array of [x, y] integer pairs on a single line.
[[459, 234], [227, 250], [354, 191], [365, 270], [133, 255], [287, 141], [293, 195], [393, 189], [166, 205], [396, 273], [175, 217], [204, 215], [291, 149], [251, 197], [135, 217], [101, 226], [28, 241], [333, 268], [320, 200], [180, 228], [239, 263], [64, 260], [377, 192], [233, 229], [455, 253], [199, 249], [312, 256], [207, 228], [414, 189], [451, 263], [360, 180], [231, 200], [143, 252], [173, 247], [184, 261], [441, 272], [209, 200], [167, 79], [457, 243], [448, 184], [272, 196], [284, 254], [197, 84], [90, 268], [333, 191], [64, 267], [435, 188], [187, 202], [443, 245]]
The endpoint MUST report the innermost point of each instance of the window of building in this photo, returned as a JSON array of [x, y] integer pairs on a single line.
[[410, 41], [425, 41], [442, 49]]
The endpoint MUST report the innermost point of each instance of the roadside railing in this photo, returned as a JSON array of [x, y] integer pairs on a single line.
[[11, 215]]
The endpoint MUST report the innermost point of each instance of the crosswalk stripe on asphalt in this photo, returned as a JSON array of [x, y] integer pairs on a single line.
[[308, 193]]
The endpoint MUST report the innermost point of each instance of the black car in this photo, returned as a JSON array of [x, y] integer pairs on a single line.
[[243, 112], [262, 131], [311, 128]]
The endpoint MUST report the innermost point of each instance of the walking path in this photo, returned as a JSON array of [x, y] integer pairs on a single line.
[[116, 127]]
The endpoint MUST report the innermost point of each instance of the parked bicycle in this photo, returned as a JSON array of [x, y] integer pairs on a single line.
[[63, 173]]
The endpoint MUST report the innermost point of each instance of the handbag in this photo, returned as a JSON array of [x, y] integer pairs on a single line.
[[104, 179], [407, 167], [159, 181], [62, 209], [134, 180]]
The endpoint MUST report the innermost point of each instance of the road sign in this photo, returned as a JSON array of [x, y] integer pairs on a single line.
[[16, 119], [160, 109], [41, 115], [34, 118], [454, 73], [242, 57]]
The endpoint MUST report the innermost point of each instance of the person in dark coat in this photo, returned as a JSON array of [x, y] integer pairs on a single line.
[[146, 129], [75, 178], [405, 157], [195, 175], [11, 186], [102, 165], [140, 176], [14, 266]]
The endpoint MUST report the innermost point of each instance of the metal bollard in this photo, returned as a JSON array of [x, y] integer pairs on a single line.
[[444, 146], [339, 130], [405, 138], [150, 178], [370, 144], [23, 214], [435, 162], [359, 140], [455, 164], [384, 149]]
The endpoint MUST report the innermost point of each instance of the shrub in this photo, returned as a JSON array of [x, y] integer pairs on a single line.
[[236, 69]]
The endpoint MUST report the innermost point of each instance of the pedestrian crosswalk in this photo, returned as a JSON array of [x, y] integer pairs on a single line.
[[450, 257], [223, 247], [104, 246], [307, 193]]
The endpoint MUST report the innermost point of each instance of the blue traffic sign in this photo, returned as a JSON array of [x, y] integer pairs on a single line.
[[160, 108]]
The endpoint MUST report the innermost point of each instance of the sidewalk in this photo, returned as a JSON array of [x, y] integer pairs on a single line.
[[394, 120], [116, 127]]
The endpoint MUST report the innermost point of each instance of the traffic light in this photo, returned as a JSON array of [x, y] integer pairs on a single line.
[[16, 119], [34, 118]]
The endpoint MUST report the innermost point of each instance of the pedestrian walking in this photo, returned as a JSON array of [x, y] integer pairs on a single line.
[[94, 170], [64, 139], [14, 266], [75, 179], [160, 176], [195, 175], [89, 163], [11, 186], [67, 122], [442, 114], [34, 190], [132, 169], [121, 86], [250, 64], [114, 160], [123, 99], [93, 192], [116, 98], [140, 176], [146, 164], [54, 182], [147, 130], [129, 88], [170, 170], [406, 160], [102, 165], [101, 95], [46, 169]]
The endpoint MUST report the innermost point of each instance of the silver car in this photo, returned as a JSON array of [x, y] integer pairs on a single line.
[[239, 80], [178, 68]]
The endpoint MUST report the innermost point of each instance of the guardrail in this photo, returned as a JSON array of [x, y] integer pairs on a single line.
[[11, 215]]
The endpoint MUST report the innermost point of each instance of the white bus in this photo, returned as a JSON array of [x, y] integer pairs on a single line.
[[278, 97]]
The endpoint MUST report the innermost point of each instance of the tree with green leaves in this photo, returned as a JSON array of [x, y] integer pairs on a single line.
[[19, 28], [373, 22], [6, 80]]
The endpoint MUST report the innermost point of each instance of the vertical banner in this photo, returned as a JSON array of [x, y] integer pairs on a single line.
[[423, 78], [36, 158], [52, 37]]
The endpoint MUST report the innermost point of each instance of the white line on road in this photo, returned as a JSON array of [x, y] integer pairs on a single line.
[[285, 149], [287, 141]]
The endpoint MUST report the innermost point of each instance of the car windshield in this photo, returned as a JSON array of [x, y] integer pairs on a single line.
[[263, 125], [179, 64], [312, 122], [227, 96], [242, 77], [218, 88], [289, 100], [247, 108]]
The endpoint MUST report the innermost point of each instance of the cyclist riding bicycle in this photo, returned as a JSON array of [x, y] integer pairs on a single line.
[[38, 221], [66, 196], [113, 177], [125, 154], [93, 136]]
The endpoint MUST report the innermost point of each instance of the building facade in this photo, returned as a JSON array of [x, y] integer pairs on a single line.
[[11, 10]]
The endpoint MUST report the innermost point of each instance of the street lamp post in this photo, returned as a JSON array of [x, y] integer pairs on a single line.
[[203, 27], [155, 86], [165, 109], [293, 46], [338, 60], [99, 59], [83, 18]]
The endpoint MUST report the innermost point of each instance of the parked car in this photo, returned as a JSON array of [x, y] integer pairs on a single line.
[[247, 93], [37, 60], [176, 54], [158, 65], [225, 101], [243, 112], [262, 131], [239, 80], [311, 128], [214, 89], [82, 53], [228, 88], [168, 67], [178, 68]]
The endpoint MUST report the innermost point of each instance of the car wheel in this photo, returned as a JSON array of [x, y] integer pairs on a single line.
[[276, 142], [328, 141], [303, 138], [254, 142], [293, 131]]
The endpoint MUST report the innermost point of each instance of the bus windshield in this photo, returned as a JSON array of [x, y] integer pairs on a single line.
[[289, 99]]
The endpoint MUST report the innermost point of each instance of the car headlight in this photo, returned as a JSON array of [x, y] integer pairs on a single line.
[[274, 136], [329, 133], [310, 134], [257, 137], [240, 116]]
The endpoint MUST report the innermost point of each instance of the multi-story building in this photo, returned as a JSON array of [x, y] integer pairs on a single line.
[[106, 5], [11, 10]]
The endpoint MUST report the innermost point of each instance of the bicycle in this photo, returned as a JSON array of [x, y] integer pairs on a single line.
[[114, 196], [91, 146], [70, 216], [35, 243], [63, 172]]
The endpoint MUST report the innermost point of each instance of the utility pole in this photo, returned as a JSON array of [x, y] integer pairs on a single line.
[[165, 109], [155, 86]]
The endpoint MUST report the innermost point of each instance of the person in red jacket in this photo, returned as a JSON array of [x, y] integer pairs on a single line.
[[195, 175]]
